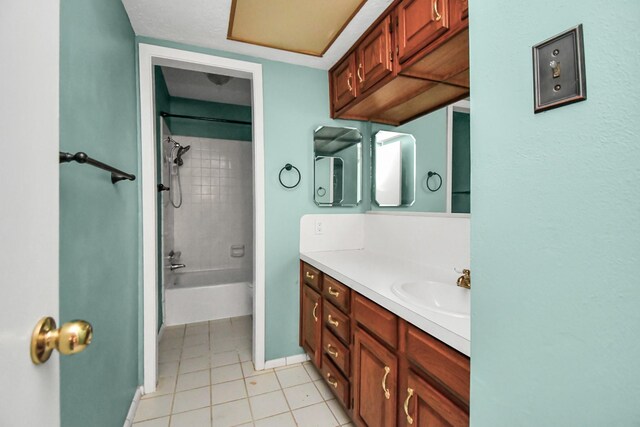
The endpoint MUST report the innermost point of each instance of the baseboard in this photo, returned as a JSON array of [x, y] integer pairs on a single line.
[[284, 361], [132, 409]]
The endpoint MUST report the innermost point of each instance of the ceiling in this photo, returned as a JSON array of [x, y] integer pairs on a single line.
[[206, 22], [195, 85]]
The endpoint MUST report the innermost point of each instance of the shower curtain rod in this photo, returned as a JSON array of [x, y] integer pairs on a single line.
[[207, 119]]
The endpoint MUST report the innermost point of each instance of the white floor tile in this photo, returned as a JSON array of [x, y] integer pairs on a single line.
[[244, 354], [317, 415], [268, 404], [166, 385], [302, 395], [293, 376], [324, 390], [169, 369], [226, 392], [173, 332], [312, 371], [223, 359], [172, 355], [282, 420], [262, 384], [248, 370], [226, 373], [170, 343], [193, 340], [197, 329], [195, 351], [222, 345], [338, 411], [158, 422], [197, 418], [193, 380], [153, 408], [194, 364], [231, 413], [192, 399]]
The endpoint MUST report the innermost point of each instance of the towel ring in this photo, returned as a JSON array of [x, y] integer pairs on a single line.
[[288, 167], [431, 174]]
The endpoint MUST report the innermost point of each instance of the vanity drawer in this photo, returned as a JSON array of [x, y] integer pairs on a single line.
[[380, 322], [311, 276], [442, 362], [337, 322], [337, 293], [338, 384], [336, 351]]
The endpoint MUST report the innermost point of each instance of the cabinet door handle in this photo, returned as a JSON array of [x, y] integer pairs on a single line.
[[333, 293], [313, 313], [333, 352], [332, 381], [349, 82], [310, 276], [435, 10], [332, 321], [360, 78], [387, 393], [406, 405]]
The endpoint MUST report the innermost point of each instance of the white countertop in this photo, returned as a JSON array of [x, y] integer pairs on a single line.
[[373, 274]]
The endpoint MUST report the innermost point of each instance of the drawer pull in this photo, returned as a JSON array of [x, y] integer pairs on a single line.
[[310, 276], [406, 405], [333, 352], [332, 381], [358, 73], [349, 82], [333, 293], [435, 10], [387, 393], [332, 321], [315, 307]]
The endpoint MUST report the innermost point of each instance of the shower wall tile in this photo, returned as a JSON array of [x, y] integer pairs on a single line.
[[217, 209]]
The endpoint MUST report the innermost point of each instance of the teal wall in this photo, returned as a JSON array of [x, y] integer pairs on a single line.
[[461, 163], [555, 228], [296, 102], [98, 220], [430, 132]]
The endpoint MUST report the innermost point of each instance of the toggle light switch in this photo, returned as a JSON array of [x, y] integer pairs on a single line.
[[558, 68]]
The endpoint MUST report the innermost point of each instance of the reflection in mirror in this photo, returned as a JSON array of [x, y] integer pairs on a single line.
[[460, 161], [394, 167], [337, 166]]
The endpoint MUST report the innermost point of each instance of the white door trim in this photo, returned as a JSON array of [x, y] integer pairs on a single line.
[[149, 56]]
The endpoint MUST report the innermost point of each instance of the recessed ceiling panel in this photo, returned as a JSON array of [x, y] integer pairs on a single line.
[[303, 26]]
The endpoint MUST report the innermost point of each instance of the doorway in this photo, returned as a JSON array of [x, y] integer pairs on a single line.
[[151, 56]]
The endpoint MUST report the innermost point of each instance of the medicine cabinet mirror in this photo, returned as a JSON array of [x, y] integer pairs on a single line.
[[337, 166], [394, 166]]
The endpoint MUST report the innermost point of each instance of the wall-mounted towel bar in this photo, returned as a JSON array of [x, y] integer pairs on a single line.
[[80, 157], [206, 119]]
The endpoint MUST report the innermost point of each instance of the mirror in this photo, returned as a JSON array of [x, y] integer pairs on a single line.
[[337, 166], [394, 166]]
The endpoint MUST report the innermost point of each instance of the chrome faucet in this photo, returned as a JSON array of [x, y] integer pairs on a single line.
[[464, 281], [176, 266]]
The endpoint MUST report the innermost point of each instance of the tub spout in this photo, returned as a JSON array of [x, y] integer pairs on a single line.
[[176, 266]]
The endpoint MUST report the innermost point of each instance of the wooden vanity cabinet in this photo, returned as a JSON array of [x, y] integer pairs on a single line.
[[311, 312], [420, 22], [375, 56]]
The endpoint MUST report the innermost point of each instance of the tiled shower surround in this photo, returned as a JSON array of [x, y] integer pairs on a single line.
[[217, 207]]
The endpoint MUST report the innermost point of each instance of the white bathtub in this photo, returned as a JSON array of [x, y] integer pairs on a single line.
[[207, 295]]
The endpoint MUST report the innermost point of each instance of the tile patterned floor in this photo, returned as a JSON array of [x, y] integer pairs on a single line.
[[207, 379]]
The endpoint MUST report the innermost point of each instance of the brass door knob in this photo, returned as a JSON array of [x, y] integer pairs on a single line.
[[71, 338]]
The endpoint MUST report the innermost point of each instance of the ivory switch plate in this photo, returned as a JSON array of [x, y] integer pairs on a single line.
[[558, 68]]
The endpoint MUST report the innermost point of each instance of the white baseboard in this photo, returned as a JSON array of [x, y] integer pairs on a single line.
[[284, 361], [132, 409]]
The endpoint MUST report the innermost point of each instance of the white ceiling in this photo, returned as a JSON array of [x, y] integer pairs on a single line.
[[196, 85], [205, 23]]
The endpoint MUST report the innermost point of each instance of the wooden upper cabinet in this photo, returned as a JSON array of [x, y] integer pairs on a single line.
[[464, 6], [343, 82], [375, 382], [311, 323], [374, 55], [425, 406], [420, 22]]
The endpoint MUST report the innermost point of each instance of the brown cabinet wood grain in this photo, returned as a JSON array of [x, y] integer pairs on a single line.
[[310, 323], [420, 22], [336, 351], [380, 322], [337, 322], [343, 83], [310, 276], [374, 56], [337, 293]]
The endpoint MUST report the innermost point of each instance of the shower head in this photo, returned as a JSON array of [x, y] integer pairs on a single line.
[[181, 150]]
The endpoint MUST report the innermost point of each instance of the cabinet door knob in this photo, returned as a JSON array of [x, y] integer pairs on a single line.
[[435, 10], [387, 393], [406, 405], [313, 313], [333, 293], [332, 321]]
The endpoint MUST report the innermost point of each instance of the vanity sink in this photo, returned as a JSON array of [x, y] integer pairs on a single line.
[[438, 297]]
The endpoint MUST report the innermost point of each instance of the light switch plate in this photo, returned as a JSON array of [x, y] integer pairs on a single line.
[[558, 70]]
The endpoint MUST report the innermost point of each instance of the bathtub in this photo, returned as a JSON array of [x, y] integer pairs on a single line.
[[207, 295]]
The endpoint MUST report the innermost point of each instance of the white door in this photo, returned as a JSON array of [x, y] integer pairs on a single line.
[[29, 64]]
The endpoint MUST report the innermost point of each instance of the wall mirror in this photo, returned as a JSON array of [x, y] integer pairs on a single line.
[[394, 167], [337, 166]]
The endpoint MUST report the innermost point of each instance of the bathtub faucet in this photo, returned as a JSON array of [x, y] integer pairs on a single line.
[[176, 266]]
